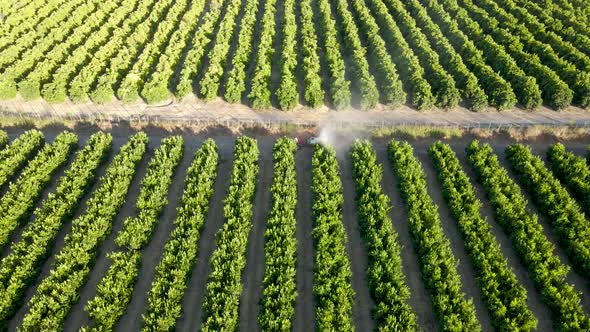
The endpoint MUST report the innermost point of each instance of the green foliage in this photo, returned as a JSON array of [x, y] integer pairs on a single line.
[[29, 60], [332, 275], [287, 93], [445, 94], [152, 199], [235, 84], [14, 157], [58, 292], [408, 64], [572, 171], [56, 89], [19, 269], [3, 139], [117, 71], [339, 85], [563, 48], [200, 41], [209, 85], [499, 91], [180, 252], [525, 86], [156, 86], [222, 296], [279, 284], [114, 290], [553, 200], [437, 262], [17, 204], [466, 81], [555, 92], [134, 80], [365, 82], [314, 94], [259, 95], [384, 273], [545, 268], [81, 82], [505, 299]]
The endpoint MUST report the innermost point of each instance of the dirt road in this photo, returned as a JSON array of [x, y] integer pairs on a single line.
[[193, 111]]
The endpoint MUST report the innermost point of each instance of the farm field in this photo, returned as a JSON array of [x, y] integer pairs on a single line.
[[339, 54], [131, 231]]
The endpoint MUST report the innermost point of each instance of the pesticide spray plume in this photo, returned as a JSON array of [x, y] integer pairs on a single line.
[[333, 134]]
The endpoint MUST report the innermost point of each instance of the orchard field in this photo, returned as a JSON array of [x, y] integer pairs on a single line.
[[128, 232], [285, 54]]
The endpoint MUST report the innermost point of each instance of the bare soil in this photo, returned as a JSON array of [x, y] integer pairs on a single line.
[[304, 319], [534, 300], [254, 272], [190, 319], [419, 299], [305, 304], [59, 242], [152, 253], [578, 281], [357, 251], [453, 233]]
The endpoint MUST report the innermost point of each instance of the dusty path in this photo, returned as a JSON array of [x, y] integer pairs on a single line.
[[59, 242], [152, 253], [534, 300], [192, 111], [357, 252], [452, 232], [77, 316], [304, 320], [578, 281], [190, 319], [419, 299], [254, 273]]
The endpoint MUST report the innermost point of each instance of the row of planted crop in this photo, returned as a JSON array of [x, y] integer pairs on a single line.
[[180, 252], [339, 85], [437, 262], [81, 85], [279, 283], [222, 296], [444, 90], [115, 288], [57, 293], [554, 201], [508, 308], [18, 153], [363, 79], [131, 84], [201, 39], [556, 74], [545, 268], [384, 274], [21, 266], [18, 202], [260, 94], [555, 91], [118, 65], [504, 297], [466, 81], [332, 272]]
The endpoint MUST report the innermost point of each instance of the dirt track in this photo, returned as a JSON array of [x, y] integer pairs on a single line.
[[304, 319], [193, 111]]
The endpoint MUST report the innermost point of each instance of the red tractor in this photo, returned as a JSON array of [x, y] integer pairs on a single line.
[[301, 142]]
